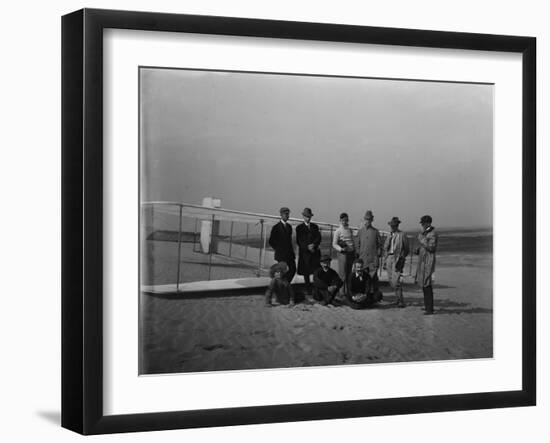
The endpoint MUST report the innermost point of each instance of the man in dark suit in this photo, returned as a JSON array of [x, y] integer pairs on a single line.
[[326, 283], [358, 296], [280, 240], [308, 238]]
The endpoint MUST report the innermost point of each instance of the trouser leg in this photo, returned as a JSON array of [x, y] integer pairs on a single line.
[[318, 294], [290, 291], [329, 296], [307, 284], [345, 263], [342, 266], [291, 271], [350, 257], [374, 283], [428, 298], [399, 296], [430, 307], [376, 291], [396, 283], [378, 294]]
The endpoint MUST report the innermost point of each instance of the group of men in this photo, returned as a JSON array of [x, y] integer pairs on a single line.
[[356, 282]]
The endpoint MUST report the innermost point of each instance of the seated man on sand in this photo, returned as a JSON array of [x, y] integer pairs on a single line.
[[279, 286], [326, 283], [358, 296]]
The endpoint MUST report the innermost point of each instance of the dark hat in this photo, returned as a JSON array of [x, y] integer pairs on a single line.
[[325, 258], [284, 209], [394, 221], [307, 212], [343, 215], [368, 215], [426, 219], [281, 267], [273, 269]]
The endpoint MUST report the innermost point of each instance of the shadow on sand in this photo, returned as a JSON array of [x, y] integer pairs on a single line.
[[298, 289], [416, 289], [444, 306]]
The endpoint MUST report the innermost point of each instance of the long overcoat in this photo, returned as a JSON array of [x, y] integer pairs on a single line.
[[280, 239], [426, 257], [308, 261], [401, 249], [369, 247]]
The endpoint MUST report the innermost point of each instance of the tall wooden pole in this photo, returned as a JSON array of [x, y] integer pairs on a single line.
[[230, 238], [261, 240], [179, 251], [210, 249]]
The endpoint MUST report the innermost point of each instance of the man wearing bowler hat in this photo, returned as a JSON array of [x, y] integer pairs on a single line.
[[326, 283], [280, 240], [308, 238], [396, 249], [369, 249], [427, 239]]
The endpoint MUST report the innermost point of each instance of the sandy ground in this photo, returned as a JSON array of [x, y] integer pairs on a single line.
[[238, 332]]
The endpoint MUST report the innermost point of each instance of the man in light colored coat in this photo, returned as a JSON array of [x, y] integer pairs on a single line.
[[427, 239], [343, 242], [396, 249], [369, 249]]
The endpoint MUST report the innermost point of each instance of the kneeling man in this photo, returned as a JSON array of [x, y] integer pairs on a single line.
[[279, 287]]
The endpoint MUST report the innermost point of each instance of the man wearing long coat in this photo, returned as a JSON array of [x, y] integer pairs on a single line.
[[308, 238], [427, 240], [369, 249], [280, 240]]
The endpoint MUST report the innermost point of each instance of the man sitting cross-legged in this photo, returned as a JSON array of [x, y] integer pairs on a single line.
[[358, 296], [326, 283]]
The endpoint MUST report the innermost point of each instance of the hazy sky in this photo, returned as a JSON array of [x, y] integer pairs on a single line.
[[261, 141]]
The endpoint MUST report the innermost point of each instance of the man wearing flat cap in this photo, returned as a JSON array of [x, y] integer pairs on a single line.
[[369, 249], [308, 238], [396, 249], [427, 239], [280, 240]]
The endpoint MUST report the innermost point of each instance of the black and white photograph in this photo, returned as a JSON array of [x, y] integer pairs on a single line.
[[291, 220], [275, 221]]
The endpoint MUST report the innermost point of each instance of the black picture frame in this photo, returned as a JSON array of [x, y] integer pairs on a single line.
[[82, 218]]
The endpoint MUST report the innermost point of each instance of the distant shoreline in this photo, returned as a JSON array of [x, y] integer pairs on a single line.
[[449, 241]]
